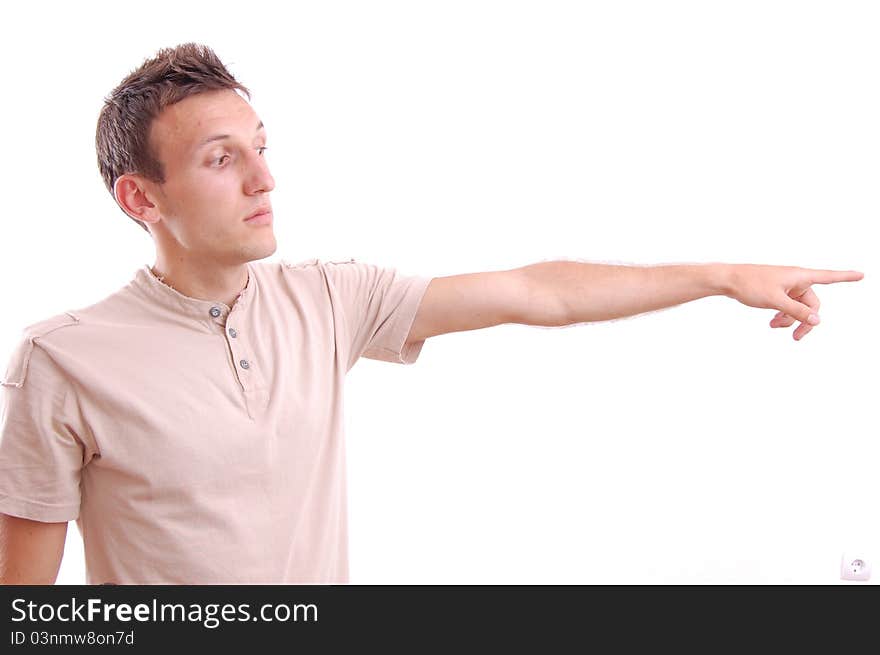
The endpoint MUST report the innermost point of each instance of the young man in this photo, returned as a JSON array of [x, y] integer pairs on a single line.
[[191, 422]]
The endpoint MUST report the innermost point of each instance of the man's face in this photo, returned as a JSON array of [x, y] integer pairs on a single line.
[[212, 184]]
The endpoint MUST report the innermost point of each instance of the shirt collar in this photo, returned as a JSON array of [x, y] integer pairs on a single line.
[[207, 312]]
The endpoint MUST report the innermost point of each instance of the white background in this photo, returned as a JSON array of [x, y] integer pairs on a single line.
[[691, 445]]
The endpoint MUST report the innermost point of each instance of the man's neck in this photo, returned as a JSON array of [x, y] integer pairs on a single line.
[[223, 283]]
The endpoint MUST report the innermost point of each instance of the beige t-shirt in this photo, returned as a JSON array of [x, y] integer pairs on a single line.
[[194, 443]]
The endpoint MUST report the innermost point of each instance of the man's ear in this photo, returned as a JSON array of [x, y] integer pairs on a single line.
[[130, 191]]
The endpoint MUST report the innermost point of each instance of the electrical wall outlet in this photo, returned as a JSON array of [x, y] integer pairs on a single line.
[[854, 567]]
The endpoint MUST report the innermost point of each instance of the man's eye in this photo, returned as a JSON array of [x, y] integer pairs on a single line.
[[219, 161]]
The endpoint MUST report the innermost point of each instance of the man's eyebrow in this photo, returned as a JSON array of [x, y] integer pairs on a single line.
[[220, 137]]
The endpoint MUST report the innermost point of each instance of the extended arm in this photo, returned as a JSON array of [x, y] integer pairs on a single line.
[[561, 293]]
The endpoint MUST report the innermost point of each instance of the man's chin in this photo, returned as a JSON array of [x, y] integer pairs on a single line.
[[255, 252]]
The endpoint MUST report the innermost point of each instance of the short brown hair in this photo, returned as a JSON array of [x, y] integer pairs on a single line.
[[122, 136]]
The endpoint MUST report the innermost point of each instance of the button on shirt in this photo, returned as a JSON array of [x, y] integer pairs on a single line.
[[195, 443]]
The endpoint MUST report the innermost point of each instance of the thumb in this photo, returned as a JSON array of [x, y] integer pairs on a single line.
[[797, 310]]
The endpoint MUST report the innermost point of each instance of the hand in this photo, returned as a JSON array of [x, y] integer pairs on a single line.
[[786, 288]]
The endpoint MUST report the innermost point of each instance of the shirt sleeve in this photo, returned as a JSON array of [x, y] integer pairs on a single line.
[[41, 454], [379, 305]]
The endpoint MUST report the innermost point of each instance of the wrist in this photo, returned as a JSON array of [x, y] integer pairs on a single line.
[[721, 278]]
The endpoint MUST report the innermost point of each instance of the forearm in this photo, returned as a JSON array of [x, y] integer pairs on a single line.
[[601, 292]]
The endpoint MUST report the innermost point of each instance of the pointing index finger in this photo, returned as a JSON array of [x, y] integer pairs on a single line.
[[829, 277]]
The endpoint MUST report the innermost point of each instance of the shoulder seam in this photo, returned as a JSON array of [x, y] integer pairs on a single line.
[[42, 328], [32, 333]]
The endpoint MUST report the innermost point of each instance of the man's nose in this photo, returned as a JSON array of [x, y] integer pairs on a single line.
[[259, 177]]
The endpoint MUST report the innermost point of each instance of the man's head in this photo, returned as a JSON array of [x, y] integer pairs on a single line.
[[160, 162]]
